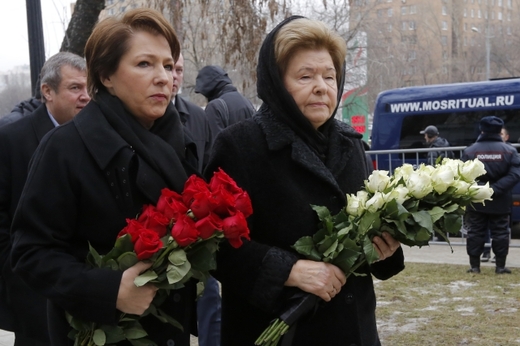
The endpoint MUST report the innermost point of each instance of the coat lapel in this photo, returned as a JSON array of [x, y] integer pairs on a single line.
[[279, 135], [41, 123]]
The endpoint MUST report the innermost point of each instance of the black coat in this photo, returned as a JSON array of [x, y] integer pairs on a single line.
[[284, 177], [226, 106], [18, 141], [20, 110], [195, 120], [84, 181], [502, 166]]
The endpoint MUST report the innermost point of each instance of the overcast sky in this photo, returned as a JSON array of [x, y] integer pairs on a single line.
[[14, 47]]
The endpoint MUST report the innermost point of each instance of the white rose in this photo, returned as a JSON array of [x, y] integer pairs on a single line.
[[399, 193], [453, 165], [461, 186], [377, 181], [402, 172], [480, 193], [375, 203], [419, 184], [472, 169], [442, 178], [426, 169], [356, 203]]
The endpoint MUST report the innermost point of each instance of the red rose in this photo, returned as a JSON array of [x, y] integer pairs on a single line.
[[224, 201], [208, 225], [221, 178], [193, 186], [202, 204], [235, 228], [147, 244], [243, 203], [154, 220], [184, 231], [134, 228], [170, 204]]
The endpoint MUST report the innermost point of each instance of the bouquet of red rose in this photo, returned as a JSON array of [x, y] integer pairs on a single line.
[[180, 236]]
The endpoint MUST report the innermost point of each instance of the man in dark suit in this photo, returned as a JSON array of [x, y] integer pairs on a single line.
[[192, 116], [195, 120], [63, 85]]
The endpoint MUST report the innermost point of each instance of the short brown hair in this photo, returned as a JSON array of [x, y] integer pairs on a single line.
[[109, 42], [304, 33]]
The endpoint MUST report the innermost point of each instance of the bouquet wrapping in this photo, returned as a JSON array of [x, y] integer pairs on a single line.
[[412, 205], [180, 237]]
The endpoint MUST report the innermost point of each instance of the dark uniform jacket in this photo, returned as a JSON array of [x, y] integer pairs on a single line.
[[503, 171], [226, 106], [18, 141], [85, 180], [195, 120], [20, 110], [276, 158]]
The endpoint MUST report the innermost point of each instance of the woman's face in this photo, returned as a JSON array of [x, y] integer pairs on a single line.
[[310, 78], [143, 80]]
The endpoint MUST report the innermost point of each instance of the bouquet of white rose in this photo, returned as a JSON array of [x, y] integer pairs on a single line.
[[412, 205]]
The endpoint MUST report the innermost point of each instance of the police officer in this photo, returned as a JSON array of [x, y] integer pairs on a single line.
[[503, 172]]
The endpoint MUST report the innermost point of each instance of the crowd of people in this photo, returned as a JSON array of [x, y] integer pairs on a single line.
[[106, 133]]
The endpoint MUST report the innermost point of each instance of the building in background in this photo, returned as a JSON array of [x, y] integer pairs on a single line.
[[421, 42]]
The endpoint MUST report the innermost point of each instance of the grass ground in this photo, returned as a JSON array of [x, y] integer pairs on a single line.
[[438, 304]]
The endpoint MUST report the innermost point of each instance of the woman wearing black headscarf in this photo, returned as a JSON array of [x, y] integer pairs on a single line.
[[292, 154]]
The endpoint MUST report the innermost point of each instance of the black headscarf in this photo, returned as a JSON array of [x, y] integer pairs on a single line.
[[276, 98], [162, 146]]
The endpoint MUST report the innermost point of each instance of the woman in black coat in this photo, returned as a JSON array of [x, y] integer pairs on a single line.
[[90, 174], [292, 154]]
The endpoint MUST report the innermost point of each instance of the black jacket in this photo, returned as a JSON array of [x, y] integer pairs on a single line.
[[284, 173], [20, 110], [85, 180], [502, 171], [439, 142], [226, 106], [18, 141], [195, 120]]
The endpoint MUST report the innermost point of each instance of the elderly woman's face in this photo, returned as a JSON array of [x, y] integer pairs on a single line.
[[143, 80], [310, 78]]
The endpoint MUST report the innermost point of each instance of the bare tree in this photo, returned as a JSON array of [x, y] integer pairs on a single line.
[[17, 87], [85, 16]]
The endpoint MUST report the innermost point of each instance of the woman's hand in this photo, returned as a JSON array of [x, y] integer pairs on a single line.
[[319, 278], [130, 298], [385, 245]]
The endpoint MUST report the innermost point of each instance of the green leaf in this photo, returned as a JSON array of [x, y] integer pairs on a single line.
[[452, 223], [370, 251], [436, 213], [177, 257], [99, 337], [93, 257], [368, 221], [346, 259], [325, 244], [331, 249], [135, 332], [304, 245], [202, 257], [323, 212], [144, 278], [171, 320], [126, 260], [423, 218], [114, 334], [177, 273]]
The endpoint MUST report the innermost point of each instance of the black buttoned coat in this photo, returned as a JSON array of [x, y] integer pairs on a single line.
[[84, 181], [18, 141], [284, 177]]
